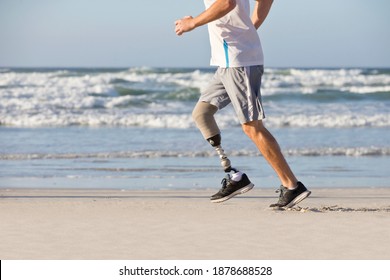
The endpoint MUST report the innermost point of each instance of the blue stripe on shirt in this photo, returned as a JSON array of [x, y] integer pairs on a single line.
[[226, 48]]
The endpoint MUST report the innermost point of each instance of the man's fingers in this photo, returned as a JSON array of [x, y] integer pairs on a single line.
[[178, 30], [178, 23]]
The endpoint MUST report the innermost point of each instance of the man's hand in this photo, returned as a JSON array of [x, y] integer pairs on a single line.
[[185, 24], [217, 10]]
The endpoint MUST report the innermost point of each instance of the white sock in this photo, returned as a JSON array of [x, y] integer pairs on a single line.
[[293, 188], [236, 177]]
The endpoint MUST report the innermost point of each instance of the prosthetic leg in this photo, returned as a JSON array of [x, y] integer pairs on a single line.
[[233, 184], [203, 116]]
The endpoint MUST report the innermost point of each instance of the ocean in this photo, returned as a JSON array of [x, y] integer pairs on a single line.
[[132, 128]]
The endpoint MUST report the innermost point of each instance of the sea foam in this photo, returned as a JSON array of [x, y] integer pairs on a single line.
[[164, 98]]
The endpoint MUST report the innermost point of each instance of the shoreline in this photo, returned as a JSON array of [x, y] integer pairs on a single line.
[[333, 223]]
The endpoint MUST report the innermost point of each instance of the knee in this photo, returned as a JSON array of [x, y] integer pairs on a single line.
[[253, 129], [247, 129]]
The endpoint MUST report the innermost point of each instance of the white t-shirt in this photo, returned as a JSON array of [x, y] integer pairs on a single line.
[[233, 38]]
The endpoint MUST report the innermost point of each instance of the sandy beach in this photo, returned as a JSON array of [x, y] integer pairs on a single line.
[[64, 224]]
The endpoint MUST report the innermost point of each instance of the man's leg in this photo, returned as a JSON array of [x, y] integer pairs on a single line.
[[269, 148], [203, 115], [291, 191], [233, 184]]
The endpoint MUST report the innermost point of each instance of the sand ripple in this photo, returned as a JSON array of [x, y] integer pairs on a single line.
[[335, 208]]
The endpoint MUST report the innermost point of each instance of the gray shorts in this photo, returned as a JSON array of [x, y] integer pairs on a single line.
[[239, 86]]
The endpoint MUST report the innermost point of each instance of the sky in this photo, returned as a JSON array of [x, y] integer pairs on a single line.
[[130, 33]]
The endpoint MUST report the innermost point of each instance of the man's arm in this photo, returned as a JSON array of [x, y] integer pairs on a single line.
[[260, 12], [217, 10]]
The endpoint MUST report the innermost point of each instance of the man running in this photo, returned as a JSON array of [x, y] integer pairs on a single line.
[[237, 52]]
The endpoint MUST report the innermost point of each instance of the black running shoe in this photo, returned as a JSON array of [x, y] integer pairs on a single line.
[[231, 188], [289, 198]]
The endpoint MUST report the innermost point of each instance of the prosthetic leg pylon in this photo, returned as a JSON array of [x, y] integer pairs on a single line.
[[215, 141]]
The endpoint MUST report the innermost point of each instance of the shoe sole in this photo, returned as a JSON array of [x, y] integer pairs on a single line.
[[298, 199], [237, 192]]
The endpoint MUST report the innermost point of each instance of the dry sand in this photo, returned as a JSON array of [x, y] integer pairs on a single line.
[[112, 224]]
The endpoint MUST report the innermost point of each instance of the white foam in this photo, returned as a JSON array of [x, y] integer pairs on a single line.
[[62, 98], [367, 89], [183, 121], [313, 152], [330, 121], [311, 81]]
